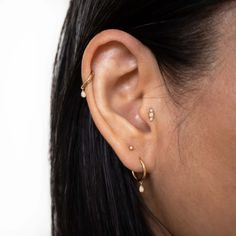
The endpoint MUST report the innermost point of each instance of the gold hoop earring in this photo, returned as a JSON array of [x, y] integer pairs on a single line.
[[140, 180], [84, 85]]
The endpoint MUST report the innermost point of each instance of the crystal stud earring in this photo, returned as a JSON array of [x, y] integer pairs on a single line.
[[151, 114]]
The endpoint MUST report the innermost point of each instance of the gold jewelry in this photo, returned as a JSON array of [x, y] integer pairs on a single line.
[[86, 82], [140, 180], [131, 148], [151, 114]]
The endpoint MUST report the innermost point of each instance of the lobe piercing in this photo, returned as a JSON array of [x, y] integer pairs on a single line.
[[131, 148], [140, 180]]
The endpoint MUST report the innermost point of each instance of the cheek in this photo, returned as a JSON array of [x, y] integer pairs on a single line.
[[217, 120], [201, 164], [208, 139]]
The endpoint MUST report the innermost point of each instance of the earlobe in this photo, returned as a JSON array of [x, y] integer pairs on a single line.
[[116, 94]]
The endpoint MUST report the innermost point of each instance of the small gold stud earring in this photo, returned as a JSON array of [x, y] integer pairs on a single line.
[[131, 148], [151, 114]]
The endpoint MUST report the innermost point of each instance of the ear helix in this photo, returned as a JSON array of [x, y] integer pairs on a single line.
[[86, 82]]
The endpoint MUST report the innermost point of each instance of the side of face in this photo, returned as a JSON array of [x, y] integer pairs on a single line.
[[198, 188], [189, 151]]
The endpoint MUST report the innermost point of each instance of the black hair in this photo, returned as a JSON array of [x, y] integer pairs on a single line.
[[92, 192]]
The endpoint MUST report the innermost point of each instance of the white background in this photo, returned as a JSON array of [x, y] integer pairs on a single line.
[[29, 33]]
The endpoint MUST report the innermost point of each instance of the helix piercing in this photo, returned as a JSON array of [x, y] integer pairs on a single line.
[[84, 85]]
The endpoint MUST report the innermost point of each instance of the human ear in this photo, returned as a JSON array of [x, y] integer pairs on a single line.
[[126, 80]]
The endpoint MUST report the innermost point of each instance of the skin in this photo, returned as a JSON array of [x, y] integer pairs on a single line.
[[190, 150]]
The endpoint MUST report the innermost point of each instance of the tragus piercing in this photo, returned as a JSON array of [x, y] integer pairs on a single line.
[[151, 114], [84, 85]]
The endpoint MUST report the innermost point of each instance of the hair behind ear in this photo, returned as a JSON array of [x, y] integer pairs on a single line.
[[92, 192]]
